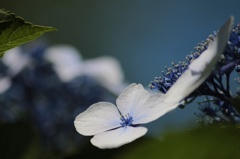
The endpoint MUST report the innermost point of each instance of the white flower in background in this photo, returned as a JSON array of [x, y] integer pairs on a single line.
[[15, 60], [107, 71], [66, 61], [5, 84], [68, 64], [115, 126]]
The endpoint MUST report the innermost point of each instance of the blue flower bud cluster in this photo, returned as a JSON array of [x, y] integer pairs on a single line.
[[216, 86]]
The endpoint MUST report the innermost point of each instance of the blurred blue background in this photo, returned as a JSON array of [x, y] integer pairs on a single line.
[[143, 35]]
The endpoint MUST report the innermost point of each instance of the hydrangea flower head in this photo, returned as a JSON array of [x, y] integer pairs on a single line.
[[181, 81], [113, 126]]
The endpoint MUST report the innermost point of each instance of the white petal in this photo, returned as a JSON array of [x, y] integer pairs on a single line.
[[210, 57], [118, 137], [200, 68], [97, 118], [153, 108], [132, 99]]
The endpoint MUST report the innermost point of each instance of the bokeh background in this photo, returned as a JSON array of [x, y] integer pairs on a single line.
[[143, 35]]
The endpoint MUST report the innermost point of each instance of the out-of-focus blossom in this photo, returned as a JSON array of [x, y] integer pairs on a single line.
[[37, 93], [15, 60], [68, 64], [5, 84]]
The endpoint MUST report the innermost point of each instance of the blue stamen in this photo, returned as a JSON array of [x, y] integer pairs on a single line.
[[126, 121]]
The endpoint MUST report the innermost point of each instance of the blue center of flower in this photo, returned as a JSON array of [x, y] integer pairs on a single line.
[[126, 120]]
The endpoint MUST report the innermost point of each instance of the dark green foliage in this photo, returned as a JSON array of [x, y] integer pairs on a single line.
[[15, 31], [207, 142]]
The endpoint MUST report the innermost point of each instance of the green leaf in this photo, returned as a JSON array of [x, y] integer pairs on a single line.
[[15, 31]]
